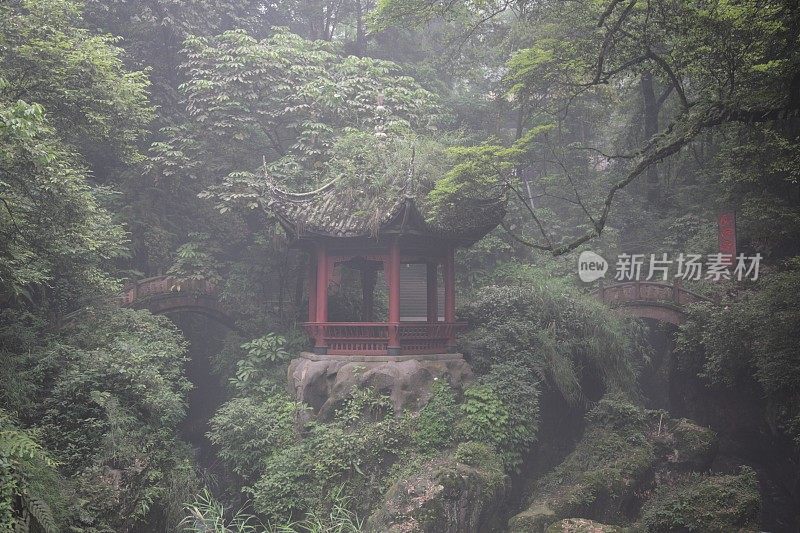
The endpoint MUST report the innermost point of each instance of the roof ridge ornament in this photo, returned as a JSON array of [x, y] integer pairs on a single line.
[[297, 196]]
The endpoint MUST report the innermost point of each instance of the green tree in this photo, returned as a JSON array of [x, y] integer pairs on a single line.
[[714, 66], [748, 344], [552, 330], [96, 105], [57, 237]]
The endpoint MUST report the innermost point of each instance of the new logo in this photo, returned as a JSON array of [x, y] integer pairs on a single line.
[[591, 266]]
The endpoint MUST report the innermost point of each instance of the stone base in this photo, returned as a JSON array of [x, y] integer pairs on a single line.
[[324, 381]]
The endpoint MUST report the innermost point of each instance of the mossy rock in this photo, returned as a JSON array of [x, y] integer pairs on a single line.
[[695, 446], [445, 496], [582, 525], [610, 462], [534, 519], [684, 445], [697, 502], [623, 447]]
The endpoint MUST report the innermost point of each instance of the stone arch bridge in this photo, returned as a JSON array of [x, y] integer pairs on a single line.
[[167, 294], [655, 300]]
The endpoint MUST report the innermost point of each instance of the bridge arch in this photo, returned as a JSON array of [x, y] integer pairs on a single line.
[[167, 294], [660, 301]]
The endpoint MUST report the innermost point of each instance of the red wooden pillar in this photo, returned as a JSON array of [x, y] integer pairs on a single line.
[[320, 346], [449, 275], [432, 300], [393, 347]]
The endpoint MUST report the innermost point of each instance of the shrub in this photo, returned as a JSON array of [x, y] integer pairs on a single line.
[[29, 483], [486, 416], [479, 455], [113, 395], [704, 503], [550, 328], [519, 392], [346, 457], [287, 488], [269, 348], [749, 343], [248, 430], [502, 410], [435, 423], [255, 372]]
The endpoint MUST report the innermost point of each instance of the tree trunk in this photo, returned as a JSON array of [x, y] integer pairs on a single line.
[[361, 37], [650, 129]]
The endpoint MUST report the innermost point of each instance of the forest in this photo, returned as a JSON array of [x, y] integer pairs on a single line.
[[155, 371]]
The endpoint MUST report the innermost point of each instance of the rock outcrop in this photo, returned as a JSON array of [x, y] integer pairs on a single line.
[[624, 451], [323, 382], [582, 525], [445, 496], [701, 502]]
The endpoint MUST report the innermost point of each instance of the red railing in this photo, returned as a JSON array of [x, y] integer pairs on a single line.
[[647, 291], [372, 338], [155, 286]]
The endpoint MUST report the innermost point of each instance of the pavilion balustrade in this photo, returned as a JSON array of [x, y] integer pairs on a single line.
[[372, 338]]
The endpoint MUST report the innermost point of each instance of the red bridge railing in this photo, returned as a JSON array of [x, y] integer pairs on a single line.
[[647, 291], [649, 299], [158, 285], [372, 338]]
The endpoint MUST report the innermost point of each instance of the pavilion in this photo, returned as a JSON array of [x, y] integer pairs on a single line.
[[376, 236]]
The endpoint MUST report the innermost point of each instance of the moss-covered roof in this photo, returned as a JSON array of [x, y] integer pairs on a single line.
[[336, 210]]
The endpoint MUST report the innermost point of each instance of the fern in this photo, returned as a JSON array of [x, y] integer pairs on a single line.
[[18, 508], [40, 513], [22, 525]]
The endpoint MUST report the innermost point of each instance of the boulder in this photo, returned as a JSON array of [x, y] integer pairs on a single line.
[[444, 496], [324, 382], [600, 477]]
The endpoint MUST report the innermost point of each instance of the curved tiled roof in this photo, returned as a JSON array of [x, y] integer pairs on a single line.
[[333, 211]]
